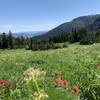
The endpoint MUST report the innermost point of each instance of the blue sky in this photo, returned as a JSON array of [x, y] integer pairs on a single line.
[[37, 15]]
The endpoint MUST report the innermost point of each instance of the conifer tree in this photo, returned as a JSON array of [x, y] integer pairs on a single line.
[[4, 41], [10, 40]]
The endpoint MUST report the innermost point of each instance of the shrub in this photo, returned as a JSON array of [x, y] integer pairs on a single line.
[[65, 45], [57, 46]]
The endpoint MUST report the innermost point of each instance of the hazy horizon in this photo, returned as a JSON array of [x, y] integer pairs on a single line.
[[41, 15]]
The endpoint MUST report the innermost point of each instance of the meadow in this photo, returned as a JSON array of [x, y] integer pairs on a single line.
[[78, 64]]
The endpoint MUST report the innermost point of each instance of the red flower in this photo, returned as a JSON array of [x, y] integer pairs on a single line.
[[1, 81], [9, 85], [65, 84], [58, 82], [76, 89]]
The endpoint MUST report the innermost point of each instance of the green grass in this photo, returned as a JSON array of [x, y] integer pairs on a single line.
[[77, 64]]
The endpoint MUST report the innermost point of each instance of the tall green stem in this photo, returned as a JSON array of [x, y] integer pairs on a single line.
[[37, 87]]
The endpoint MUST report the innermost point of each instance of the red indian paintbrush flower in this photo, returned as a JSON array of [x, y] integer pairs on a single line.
[[58, 80], [65, 84], [9, 85], [1, 81], [76, 89]]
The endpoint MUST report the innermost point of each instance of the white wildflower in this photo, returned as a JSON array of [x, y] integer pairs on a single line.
[[32, 73]]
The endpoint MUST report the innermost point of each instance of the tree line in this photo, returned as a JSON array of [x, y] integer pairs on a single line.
[[7, 41], [83, 36]]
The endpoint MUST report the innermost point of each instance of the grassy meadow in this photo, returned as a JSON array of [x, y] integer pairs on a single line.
[[76, 63]]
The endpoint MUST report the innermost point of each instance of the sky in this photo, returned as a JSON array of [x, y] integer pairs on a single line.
[[42, 15]]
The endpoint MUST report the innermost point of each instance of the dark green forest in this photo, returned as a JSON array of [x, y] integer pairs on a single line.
[[83, 36]]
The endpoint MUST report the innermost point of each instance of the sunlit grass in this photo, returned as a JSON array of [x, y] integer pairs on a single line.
[[72, 62]]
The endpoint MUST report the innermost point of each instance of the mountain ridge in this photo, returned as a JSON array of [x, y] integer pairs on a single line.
[[89, 21], [28, 34]]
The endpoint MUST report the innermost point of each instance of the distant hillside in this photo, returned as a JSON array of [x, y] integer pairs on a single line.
[[92, 22], [28, 34]]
